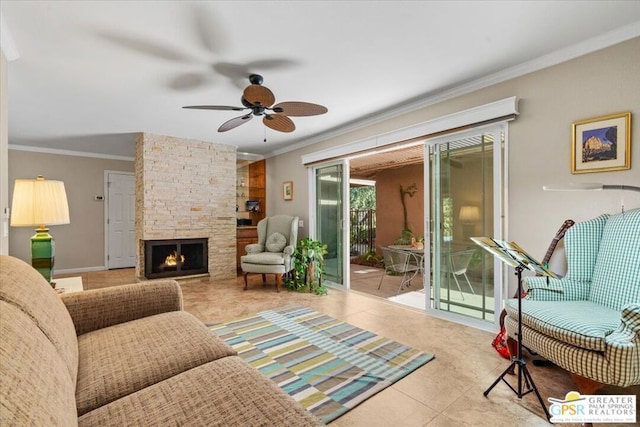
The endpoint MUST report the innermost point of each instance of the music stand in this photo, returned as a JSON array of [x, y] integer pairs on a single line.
[[514, 256]]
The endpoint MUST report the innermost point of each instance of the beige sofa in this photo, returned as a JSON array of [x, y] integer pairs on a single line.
[[126, 355]]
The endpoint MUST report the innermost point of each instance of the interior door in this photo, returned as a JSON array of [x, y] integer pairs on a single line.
[[466, 177], [330, 206], [121, 230]]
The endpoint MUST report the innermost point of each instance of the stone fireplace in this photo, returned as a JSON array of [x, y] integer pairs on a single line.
[[185, 189]]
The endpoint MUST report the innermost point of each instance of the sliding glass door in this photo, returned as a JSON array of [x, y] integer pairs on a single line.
[[330, 207], [465, 176]]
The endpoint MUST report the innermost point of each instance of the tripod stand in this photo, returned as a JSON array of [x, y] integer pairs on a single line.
[[523, 373]]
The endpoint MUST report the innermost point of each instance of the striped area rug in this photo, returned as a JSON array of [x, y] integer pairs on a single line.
[[327, 365]]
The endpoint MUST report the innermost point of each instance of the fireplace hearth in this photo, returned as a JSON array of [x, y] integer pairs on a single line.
[[175, 258]]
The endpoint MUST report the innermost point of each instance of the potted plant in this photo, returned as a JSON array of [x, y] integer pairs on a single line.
[[308, 267]]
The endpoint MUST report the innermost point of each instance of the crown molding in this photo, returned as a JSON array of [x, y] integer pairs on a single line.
[[34, 149], [7, 43], [585, 47]]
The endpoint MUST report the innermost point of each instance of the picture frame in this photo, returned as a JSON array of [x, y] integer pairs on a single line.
[[252, 205], [601, 144], [287, 190]]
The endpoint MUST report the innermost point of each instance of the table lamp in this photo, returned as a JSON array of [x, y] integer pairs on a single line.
[[469, 216], [39, 202]]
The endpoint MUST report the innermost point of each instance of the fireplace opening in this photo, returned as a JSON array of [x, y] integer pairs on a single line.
[[177, 257]]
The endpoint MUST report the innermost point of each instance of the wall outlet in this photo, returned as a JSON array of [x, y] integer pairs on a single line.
[[300, 223], [98, 198]]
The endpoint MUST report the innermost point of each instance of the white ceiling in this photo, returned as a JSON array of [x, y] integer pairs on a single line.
[[90, 74]]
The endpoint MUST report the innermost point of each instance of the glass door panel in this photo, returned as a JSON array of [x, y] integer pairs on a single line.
[[465, 186], [329, 192]]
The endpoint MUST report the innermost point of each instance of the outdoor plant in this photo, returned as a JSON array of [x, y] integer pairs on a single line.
[[370, 258], [308, 267]]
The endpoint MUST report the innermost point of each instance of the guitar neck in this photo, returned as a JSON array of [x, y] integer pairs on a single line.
[[559, 235]]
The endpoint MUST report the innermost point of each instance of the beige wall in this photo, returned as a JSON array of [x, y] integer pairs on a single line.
[[80, 244], [603, 82], [389, 215]]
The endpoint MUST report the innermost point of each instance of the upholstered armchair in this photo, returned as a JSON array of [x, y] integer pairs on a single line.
[[588, 322], [273, 254]]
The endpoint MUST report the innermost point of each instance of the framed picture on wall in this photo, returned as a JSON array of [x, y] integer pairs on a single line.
[[601, 144], [287, 190]]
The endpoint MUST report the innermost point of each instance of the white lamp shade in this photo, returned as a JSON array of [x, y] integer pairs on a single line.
[[469, 214], [39, 202]]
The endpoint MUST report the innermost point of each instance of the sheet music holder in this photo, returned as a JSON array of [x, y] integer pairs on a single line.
[[512, 254]]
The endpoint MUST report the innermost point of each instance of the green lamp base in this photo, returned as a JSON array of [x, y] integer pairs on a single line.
[[42, 251]]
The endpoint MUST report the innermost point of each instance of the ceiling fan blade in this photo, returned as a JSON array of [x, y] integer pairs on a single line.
[[215, 107], [235, 122], [259, 95], [279, 122], [299, 109]]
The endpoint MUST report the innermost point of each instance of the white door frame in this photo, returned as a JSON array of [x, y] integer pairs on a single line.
[[311, 181], [500, 218], [106, 212]]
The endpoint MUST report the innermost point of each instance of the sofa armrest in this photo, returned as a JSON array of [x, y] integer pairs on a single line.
[[100, 308], [556, 289], [289, 250], [254, 248]]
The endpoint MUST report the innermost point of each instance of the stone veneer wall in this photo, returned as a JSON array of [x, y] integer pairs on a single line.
[[186, 189]]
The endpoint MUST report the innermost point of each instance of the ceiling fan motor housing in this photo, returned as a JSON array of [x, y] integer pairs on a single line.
[[256, 79]]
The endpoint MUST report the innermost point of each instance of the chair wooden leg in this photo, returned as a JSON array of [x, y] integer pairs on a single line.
[[586, 385], [264, 279], [245, 281], [278, 282]]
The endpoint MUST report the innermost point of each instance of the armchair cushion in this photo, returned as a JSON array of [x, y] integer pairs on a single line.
[[264, 258], [580, 323], [276, 242]]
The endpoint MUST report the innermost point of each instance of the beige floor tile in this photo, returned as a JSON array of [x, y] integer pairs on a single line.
[[388, 408], [448, 391]]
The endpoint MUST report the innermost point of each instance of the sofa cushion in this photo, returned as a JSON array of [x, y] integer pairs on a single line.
[[276, 242], [124, 358], [37, 388], [22, 286], [227, 392], [616, 276], [580, 323], [265, 258], [582, 242]]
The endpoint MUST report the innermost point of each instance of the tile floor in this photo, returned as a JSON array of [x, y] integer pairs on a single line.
[[447, 391]]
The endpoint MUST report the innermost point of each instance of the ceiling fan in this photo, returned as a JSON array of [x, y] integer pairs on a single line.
[[259, 99]]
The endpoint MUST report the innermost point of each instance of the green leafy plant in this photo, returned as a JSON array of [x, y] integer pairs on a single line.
[[308, 267], [370, 258], [404, 238]]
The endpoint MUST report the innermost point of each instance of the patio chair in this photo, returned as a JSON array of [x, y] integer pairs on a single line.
[[457, 265], [398, 261]]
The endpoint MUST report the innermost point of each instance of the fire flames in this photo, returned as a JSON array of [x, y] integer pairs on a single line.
[[172, 259]]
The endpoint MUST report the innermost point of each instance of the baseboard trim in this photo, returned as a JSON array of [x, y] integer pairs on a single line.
[[80, 270]]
